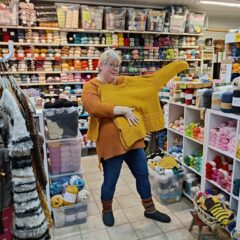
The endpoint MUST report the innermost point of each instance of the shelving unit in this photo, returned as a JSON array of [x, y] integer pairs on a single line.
[[207, 61], [213, 119]]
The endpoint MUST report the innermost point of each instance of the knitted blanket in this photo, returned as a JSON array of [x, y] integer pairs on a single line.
[[29, 219]]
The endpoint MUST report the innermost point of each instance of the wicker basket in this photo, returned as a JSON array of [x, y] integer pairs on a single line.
[[209, 220]]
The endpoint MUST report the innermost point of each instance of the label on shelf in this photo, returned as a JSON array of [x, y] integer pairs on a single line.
[[188, 96], [236, 102], [237, 37]]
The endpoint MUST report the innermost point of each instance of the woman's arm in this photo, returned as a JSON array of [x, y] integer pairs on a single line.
[[163, 75]]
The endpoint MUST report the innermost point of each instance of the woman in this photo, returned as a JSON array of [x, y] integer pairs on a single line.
[[103, 128]]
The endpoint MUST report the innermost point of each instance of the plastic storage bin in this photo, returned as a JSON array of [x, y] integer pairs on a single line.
[[92, 17], [70, 215], [115, 18], [68, 15], [65, 155], [62, 122], [166, 189], [137, 19], [155, 20]]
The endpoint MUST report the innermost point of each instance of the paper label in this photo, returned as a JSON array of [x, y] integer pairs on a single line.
[[69, 197], [237, 37], [188, 96], [86, 16], [236, 102]]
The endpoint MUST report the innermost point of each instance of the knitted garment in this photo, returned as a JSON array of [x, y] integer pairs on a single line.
[[133, 93], [29, 219]]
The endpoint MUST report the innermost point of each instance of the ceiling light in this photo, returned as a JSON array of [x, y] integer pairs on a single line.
[[225, 4]]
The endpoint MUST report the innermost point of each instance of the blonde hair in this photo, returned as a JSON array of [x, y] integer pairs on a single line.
[[108, 54]]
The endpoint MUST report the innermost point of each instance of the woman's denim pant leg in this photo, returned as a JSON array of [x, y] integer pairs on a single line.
[[137, 163]]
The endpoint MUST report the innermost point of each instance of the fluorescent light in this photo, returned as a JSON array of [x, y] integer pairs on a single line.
[[225, 4]]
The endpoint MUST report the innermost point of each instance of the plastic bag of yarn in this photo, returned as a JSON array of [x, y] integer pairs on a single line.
[[77, 181], [57, 201], [55, 188], [83, 196], [70, 195], [226, 102]]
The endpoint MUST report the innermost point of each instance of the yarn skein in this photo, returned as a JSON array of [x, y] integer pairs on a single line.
[[82, 196], [70, 195], [236, 101], [57, 201], [77, 181], [226, 103], [55, 188]]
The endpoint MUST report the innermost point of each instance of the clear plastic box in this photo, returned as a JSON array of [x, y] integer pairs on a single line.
[[9, 13], [68, 15], [166, 189], [92, 17], [137, 19], [195, 22], [70, 215], [65, 155], [156, 20], [61, 122], [115, 18], [177, 23]]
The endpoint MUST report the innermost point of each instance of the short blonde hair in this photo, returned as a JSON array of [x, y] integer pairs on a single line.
[[108, 54]]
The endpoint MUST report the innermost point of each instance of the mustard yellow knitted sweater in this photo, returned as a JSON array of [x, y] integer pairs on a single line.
[[141, 93]]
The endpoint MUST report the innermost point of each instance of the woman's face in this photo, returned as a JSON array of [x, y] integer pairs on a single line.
[[110, 70]]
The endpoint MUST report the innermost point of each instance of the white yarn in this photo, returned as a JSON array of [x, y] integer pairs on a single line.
[[83, 196]]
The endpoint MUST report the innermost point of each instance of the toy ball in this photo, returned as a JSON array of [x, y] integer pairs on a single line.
[[83, 196], [55, 188], [77, 181]]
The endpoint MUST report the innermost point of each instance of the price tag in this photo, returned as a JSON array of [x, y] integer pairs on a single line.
[[183, 85], [86, 16], [237, 37]]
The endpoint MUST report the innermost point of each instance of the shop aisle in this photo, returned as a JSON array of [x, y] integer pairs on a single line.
[[130, 223]]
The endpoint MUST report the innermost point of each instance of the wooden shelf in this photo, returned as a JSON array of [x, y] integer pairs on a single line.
[[192, 169], [194, 140], [221, 151], [172, 130]]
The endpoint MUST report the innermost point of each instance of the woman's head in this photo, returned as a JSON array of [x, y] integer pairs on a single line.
[[109, 64]]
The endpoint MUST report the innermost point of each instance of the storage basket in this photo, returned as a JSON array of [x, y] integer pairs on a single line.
[[65, 155], [206, 217], [70, 215], [166, 189], [62, 122]]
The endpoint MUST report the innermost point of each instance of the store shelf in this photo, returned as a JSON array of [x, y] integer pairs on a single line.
[[192, 169], [194, 140], [79, 58], [235, 197], [186, 195], [172, 130], [32, 72], [46, 84], [183, 47], [221, 151], [218, 186]]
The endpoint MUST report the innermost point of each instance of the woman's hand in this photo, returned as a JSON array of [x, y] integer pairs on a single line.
[[128, 114]]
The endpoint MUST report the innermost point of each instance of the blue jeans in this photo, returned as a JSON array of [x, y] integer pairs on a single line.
[[137, 163]]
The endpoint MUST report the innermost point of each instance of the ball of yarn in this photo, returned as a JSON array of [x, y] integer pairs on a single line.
[[64, 181], [57, 201], [77, 181], [82, 196], [70, 195], [55, 188]]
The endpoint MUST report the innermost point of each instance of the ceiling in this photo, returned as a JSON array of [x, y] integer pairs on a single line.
[[193, 5]]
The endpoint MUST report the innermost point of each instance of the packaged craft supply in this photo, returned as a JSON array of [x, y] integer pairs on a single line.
[[115, 18], [136, 19], [155, 20], [9, 13], [68, 15], [92, 17]]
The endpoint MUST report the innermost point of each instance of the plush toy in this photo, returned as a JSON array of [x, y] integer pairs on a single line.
[[216, 209]]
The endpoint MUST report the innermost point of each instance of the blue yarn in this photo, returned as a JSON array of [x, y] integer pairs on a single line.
[[79, 183], [63, 180], [55, 188], [227, 98]]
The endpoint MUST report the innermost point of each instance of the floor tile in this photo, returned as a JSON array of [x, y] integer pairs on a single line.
[[93, 223], [184, 216], [78, 237], [120, 232], [98, 235], [160, 207], [180, 234], [145, 228], [173, 225], [93, 208], [181, 205], [127, 201], [134, 213], [94, 176], [119, 217], [95, 184], [157, 237], [66, 232]]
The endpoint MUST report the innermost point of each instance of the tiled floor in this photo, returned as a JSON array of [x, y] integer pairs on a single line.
[[130, 222]]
